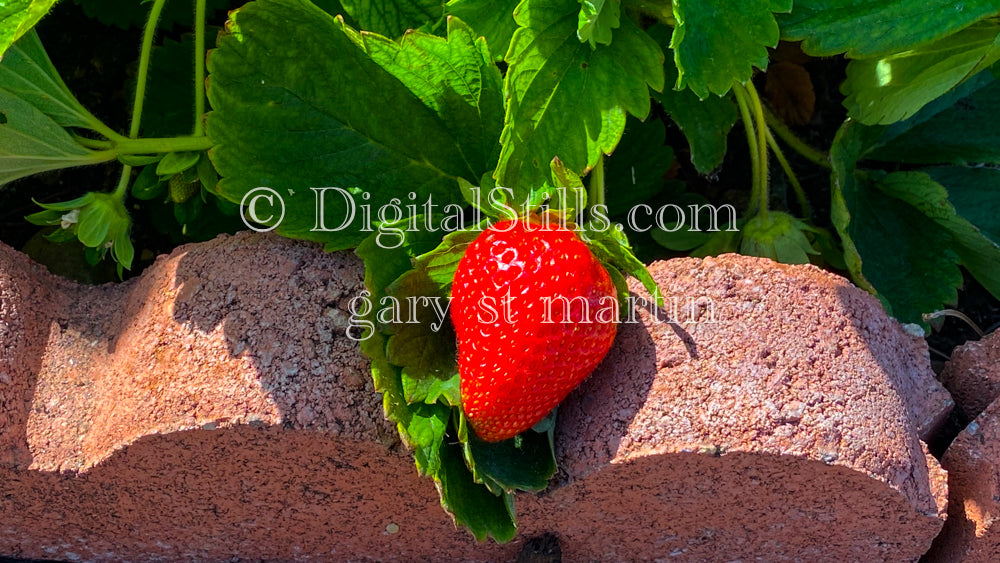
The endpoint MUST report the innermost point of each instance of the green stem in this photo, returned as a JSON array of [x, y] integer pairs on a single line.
[[199, 66], [144, 57], [96, 144], [98, 157], [123, 182], [595, 192], [928, 317], [800, 194], [140, 94], [758, 109], [748, 126], [99, 126], [798, 145], [163, 145]]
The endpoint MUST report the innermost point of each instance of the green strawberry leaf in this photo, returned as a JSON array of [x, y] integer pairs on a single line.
[[683, 239], [175, 162], [975, 240], [966, 132], [421, 427], [597, 20], [425, 429], [27, 72], [391, 18], [850, 144], [693, 229], [467, 92], [70, 205], [892, 88], [565, 201], [960, 127], [915, 275], [434, 388], [148, 184], [689, 223], [18, 17], [569, 197], [566, 178], [831, 255], [610, 246], [705, 122], [777, 236], [169, 104], [207, 174], [471, 503], [32, 142], [635, 171], [334, 8], [919, 272], [566, 99], [492, 19], [956, 97], [721, 242], [828, 27], [975, 193], [621, 289], [525, 462], [295, 116], [422, 343], [439, 264], [718, 42], [422, 340], [487, 199]]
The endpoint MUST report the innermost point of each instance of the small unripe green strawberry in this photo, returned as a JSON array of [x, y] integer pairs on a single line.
[[182, 190], [534, 312]]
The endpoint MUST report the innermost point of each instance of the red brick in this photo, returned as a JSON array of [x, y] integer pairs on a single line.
[[213, 409]]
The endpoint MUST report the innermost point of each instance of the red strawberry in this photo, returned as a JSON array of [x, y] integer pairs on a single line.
[[519, 358]]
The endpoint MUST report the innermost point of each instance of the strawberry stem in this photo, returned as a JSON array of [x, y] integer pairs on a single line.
[[761, 126], [811, 154], [757, 133], [140, 87], [800, 193], [595, 191], [144, 58], [199, 66], [928, 317], [739, 91]]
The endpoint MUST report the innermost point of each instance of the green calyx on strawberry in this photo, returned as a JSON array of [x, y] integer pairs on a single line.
[[534, 312]]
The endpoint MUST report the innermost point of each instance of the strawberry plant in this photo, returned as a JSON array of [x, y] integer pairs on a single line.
[[413, 131]]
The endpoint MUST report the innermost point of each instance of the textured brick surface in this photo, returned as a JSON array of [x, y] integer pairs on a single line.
[[972, 375], [213, 409], [782, 425], [973, 463]]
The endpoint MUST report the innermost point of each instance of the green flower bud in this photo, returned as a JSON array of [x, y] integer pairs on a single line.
[[99, 220]]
